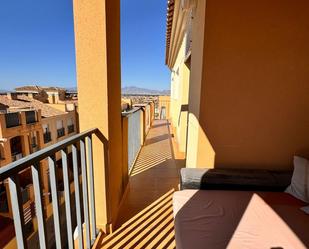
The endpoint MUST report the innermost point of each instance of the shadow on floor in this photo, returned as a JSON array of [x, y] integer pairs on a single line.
[[145, 217], [152, 227], [157, 139], [160, 122]]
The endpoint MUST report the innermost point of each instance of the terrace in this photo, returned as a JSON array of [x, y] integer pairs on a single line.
[[155, 171], [243, 135]]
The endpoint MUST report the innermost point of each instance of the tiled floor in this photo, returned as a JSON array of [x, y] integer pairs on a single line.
[[145, 218]]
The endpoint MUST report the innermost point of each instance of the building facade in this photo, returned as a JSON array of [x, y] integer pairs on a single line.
[[238, 82], [23, 131]]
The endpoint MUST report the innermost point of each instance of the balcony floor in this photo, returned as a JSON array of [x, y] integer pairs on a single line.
[[146, 218]]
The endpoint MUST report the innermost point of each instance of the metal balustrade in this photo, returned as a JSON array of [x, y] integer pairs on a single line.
[[85, 215], [134, 135]]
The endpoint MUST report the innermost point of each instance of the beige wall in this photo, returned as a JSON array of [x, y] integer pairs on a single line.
[[200, 152], [24, 131], [179, 98], [52, 124], [249, 83]]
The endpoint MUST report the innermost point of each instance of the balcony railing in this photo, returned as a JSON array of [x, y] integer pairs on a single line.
[[12, 119], [71, 128], [60, 132], [16, 156], [83, 216], [47, 137], [30, 117], [134, 135]]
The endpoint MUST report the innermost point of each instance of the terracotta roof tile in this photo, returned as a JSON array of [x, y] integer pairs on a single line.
[[38, 88], [24, 102], [169, 23]]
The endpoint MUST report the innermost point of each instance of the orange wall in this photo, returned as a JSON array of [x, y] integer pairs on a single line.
[[254, 104]]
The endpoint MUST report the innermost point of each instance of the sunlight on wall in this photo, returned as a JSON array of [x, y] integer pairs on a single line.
[[200, 153]]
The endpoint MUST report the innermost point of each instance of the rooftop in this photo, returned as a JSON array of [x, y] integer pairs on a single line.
[[24, 102], [36, 89]]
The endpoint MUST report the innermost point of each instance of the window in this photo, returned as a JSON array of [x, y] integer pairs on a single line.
[[12, 119], [45, 128], [60, 129], [46, 133], [16, 148], [33, 142], [30, 117], [70, 125]]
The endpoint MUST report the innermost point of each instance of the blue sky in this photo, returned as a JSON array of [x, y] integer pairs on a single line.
[[143, 25], [37, 43]]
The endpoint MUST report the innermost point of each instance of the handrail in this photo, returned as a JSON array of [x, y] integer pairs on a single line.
[[85, 215], [21, 164], [133, 110]]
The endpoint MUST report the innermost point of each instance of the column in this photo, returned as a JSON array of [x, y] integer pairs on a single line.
[[97, 43]]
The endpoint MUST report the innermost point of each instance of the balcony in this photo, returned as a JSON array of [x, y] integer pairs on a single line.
[[60, 132], [47, 137], [30, 117], [145, 218], [71, 128], [155, 171], [12, 119]]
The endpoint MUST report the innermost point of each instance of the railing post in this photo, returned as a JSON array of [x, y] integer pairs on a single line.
[[55, 200], [18, 213], [67, 196], [92, 189], [37, 186], [77, 198], [85, 192]]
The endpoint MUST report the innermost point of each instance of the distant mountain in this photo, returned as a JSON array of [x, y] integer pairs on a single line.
[[133, 90], [3, 91], [71, 89]]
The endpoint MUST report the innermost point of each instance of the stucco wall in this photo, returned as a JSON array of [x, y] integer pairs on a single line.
[[255, 82], [179, 98]]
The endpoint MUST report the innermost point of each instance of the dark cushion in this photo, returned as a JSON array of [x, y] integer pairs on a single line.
[[234, 179]]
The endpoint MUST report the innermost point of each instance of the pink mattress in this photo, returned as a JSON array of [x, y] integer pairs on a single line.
[[239, 219]]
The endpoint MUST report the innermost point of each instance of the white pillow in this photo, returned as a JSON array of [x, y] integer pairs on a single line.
[[299, 187]]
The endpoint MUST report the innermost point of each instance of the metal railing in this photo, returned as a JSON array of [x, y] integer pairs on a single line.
[[30, 117], [12, 119], [134, 136], [11, 172], [16, 156]]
